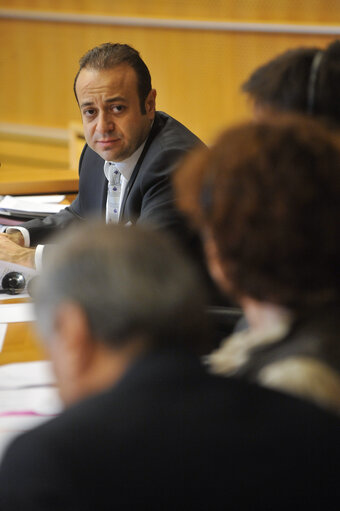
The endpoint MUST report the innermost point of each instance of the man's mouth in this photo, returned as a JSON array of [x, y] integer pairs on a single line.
[[108, 141]]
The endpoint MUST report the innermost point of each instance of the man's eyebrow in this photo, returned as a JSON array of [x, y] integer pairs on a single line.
[[115, 98], [86, 103], [108, 100]]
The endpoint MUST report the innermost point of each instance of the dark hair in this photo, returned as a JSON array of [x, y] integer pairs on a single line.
[[128, 281], [268, 194], [109, 55], [285, 83]]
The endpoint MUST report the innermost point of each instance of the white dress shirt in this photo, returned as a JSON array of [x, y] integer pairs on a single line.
[[125, 167]]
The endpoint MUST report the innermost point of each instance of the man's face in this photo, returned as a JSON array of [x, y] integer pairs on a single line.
[[114, 126]]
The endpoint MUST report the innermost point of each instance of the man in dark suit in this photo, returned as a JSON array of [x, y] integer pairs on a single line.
[[124, 132], [145, 427]]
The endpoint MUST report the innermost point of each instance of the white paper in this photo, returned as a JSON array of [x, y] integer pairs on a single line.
[[28, 397], [3, 330], [26, 374], [38, 400], [22, 205], [42, 198], [16, 312], [6, 267]]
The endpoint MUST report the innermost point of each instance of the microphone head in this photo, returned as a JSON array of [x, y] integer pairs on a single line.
[[13, 283]]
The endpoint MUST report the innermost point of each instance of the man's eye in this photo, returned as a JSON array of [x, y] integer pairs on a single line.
[[117, 109], [89, 112]]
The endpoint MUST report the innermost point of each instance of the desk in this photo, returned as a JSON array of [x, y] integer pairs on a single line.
[[24, 403], [21, 180], [21, 343]]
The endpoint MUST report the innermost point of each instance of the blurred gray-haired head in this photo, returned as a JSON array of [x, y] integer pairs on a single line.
[[128, 282]]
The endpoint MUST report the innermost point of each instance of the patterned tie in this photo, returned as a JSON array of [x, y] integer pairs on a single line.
[[113, 194]]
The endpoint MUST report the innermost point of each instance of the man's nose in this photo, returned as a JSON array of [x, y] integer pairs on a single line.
[[104, 123]]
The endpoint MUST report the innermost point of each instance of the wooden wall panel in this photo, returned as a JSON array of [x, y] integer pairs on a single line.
[[305, 11], [197, 73]]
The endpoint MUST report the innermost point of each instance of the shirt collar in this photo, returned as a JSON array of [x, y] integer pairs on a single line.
[[125, 167]]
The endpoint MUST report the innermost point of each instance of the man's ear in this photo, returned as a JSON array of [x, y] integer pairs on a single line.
[[73, 333], [150, 104]]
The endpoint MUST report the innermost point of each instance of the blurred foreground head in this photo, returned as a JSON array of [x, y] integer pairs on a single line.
[[302, 80], [107, 293], [266, 199]]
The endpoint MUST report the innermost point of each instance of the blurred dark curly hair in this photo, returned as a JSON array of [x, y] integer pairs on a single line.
[[268, 195], [284, 82]]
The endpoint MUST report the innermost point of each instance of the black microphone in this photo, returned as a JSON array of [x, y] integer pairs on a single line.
[[13, 283]]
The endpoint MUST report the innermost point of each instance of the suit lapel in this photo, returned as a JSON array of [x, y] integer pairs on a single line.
[[92, 184], [153, 133], [104, 186]]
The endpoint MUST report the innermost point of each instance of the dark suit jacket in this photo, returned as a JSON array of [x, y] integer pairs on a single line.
[[167, 437], [148, 197]]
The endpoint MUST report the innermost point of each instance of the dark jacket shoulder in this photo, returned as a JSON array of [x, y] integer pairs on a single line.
[[166, 431]]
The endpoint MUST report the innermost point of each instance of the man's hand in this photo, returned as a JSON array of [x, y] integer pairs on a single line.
[[11, 250], [16, 237]]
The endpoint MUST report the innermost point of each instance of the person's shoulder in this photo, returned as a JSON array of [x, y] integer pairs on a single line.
[[168, 141], [169, 132], [37, 442], [272, 407], [45, 448]]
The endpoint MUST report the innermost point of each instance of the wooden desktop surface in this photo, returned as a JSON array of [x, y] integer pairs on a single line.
[[21, 342], [25, 180]]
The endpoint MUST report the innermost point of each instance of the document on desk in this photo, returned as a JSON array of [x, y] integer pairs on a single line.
[[22, 207], [6, 267], [28, 388], [26, 374], [28, 397], [16, 312], [42, 198]]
